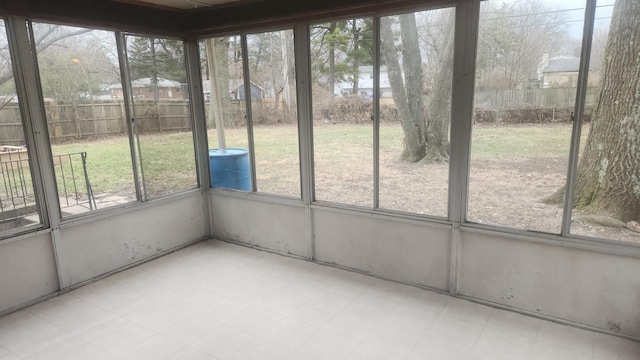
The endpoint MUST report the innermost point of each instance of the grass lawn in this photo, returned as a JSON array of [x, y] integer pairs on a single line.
[[512, 169], [168, 162]]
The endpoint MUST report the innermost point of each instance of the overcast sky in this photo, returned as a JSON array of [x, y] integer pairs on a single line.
[[574, 11]]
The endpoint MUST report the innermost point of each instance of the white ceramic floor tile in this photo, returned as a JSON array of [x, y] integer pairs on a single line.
[[371, 306], [157, 347], [290, 333], [370, 352], [389, 289], [427, 300], [221, 301], [255, 320], [411, 316], [105, 294], [468, 311], [260, 350], [451, 329], [47, 345], [394, 338], [328, 345], [550, 351], [117, 336], [18, 318], [9, 356], [606, 347], [571, 338], [355, 326], [30, 332], [155, 314], [481, 355], [224, 341], [190, 329], [628, 350], [70, 349], [315, 313], [192, 354], [505, 343], [438, 349], [513, 322]]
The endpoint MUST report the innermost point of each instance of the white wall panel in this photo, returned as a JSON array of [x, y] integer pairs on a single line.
[[581, 286], [389, 248], [94, 248], [27, 270], [270, 225]]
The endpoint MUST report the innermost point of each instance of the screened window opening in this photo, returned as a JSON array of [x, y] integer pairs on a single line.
[[162, 125], [223, 87], [18, 200], [526, 76], [415, 110], [342, 60], [606, 192], [80, 80], [274, 114]]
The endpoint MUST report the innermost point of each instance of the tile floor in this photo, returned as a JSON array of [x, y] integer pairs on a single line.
[[216, 300]]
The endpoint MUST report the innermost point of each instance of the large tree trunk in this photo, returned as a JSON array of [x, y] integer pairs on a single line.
[[409, 108], [154, 67], [608, 178], [332, 58], [439, 110], [356, 46]]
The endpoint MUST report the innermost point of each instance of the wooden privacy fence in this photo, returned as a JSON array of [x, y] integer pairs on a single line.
[[78, 121]]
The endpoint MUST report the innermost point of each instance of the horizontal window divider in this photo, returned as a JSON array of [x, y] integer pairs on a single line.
[[99, 214], [26, 233], [416, 219], [606, 246], [258, 196]]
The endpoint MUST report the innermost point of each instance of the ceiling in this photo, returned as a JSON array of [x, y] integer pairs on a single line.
[[179, 4]]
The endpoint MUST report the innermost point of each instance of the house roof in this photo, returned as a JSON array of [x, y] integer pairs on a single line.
[[562, 64], [234, 84], [143, 82]]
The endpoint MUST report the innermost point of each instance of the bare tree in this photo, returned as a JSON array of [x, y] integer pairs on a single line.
[[406, 95], [608, 178], [513, 38]]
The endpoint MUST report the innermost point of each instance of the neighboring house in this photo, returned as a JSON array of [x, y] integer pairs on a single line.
[[365, 83], [236, 90], [143, 89], [562, 71]]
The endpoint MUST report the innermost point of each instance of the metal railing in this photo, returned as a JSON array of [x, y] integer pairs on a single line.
[[17, 198]]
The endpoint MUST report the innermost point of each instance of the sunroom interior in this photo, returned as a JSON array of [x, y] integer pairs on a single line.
[[136, 131]]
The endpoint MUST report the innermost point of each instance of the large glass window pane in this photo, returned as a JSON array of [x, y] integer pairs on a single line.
[[607, 187], [342, 57], [162, 116], [18, 203], [415, 110], [80, 81], [273, 107], [527, 69], [223, 86]]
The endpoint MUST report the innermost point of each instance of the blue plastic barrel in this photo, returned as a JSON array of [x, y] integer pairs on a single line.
[[230, 169]]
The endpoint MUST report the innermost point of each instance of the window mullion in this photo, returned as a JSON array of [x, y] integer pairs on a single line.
[[127, 94], [249, 113], [581, 93]]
